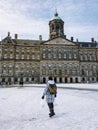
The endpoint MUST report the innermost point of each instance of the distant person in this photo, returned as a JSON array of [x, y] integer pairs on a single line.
[[50, 92], [21, 83]]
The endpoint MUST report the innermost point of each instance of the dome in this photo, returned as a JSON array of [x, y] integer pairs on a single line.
[[56, 17]]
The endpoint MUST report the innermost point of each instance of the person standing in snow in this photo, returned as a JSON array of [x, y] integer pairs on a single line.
[[50, 96]]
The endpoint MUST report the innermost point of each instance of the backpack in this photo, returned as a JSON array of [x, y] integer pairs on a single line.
[[52, 88]]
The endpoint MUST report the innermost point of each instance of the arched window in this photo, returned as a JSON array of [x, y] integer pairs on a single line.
[[60, 80], [65, 79], [76, 80], [3, 79], [32, 78], [55, 79], [64, 55], [52, 27], [15, 79], [83, 79], [44, 80], [71, 80], [60, 55], [27, 79]]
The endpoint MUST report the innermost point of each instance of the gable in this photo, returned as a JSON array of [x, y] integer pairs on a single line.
[[8, 41], [59, 41]]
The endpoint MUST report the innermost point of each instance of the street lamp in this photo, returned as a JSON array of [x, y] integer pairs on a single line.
[[21, 79], [8, 76], [87, 77]]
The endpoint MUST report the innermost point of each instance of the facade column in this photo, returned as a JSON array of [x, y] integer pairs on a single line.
[[79, 79], [73, 79], [68, 79], [57, 79], [63, 80]]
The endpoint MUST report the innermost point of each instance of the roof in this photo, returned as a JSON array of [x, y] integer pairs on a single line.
[[56, 17], [27, 42], [9, 41], [87, 44]]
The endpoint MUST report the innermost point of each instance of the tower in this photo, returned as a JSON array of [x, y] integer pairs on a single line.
[[56, 26]]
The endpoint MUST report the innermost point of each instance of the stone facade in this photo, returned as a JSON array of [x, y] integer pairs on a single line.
[[33, 61]]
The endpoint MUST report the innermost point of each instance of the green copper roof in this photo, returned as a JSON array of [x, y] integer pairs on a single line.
[[56, 17]]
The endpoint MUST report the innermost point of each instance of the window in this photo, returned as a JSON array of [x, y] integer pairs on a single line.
[[94, 58], [49, 56], [22, 51], [75, 56], [60, 50], [83, 72], [28, 56], [5, 50], [44, 56], [60, 71], [49, 49], [15, 79], [64, 50], [32, 51], [74, 50], [22, 56], [54, 56], [32, 79], [5, 56], [60, 56], [54, 49], [38, 56], [52, 27], [44, 49], [27, 79], [44, 71], [11, 50], [70, 56], [64, 55], [3, 79], [92, 79], [17, 57], [28, 51], [86, 57], [17, 51], [11, 56], [90, 57], [33, 57]]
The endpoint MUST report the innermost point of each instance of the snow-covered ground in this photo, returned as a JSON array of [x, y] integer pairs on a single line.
[[23, 109], [91, 86]]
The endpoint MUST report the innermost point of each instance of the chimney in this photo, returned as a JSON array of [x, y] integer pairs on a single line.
[[65, 36], [8, 34], [16, 36], [40, 37], [72, 39], [77, 40], [92, 39]]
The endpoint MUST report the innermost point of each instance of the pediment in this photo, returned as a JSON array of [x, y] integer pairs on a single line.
[[59, 41], [8, 40]]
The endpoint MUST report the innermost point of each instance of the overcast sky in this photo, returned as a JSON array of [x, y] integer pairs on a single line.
[[30, 18]]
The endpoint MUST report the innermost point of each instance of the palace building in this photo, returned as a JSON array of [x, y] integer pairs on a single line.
[[33, 61]]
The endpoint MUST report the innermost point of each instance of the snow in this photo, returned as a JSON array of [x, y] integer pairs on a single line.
[[21, 108], [91, 86]]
